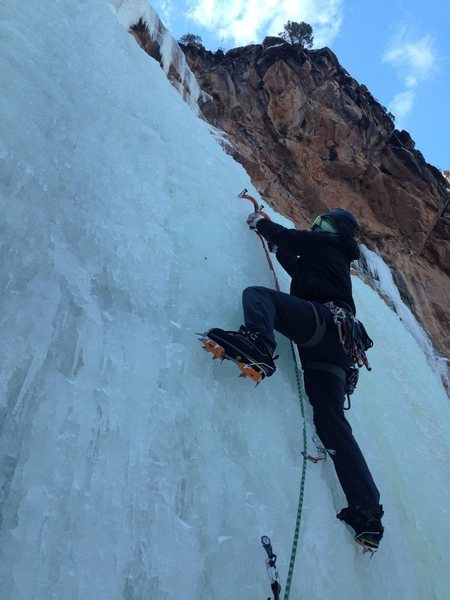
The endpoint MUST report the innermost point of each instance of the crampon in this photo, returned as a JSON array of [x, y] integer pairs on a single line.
[[252, 370], [366, 544], [366, 524]]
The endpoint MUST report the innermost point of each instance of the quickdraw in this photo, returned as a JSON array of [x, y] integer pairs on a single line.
[[272, 571], [322, 452], [313, 459]]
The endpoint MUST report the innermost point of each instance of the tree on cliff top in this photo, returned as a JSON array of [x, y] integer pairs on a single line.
[[190, 38], [298, 33]]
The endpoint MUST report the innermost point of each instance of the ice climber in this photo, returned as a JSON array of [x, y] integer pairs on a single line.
[[317, 313]]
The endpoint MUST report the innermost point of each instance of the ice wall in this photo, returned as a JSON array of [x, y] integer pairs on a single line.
[[131, 465], [384, 282]]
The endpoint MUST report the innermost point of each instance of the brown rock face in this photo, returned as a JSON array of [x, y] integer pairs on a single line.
[[312, 138]]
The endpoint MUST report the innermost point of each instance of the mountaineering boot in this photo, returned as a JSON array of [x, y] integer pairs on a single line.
[[366, 524], [249, 349]]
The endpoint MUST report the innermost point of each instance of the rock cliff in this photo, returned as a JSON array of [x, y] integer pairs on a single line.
[[311, 138]]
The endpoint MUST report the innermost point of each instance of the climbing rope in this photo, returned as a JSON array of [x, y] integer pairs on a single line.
[[305, 454], [302, 482]]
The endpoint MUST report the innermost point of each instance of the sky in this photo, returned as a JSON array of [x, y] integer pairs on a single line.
[[399, 49]]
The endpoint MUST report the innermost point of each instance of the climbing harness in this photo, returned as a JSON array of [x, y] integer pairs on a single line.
[[319, 331], [271, 562], [354, 340], [258, 209], [349, 377]]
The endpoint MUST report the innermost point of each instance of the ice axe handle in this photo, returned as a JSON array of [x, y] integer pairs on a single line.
[[258, 208]]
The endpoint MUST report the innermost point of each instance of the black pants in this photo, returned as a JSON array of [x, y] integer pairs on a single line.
[[266, 310]]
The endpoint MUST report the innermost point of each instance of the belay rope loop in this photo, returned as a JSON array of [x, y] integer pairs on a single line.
[[287, 591]]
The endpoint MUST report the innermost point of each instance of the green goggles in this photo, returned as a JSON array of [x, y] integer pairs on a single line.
[[323, 224]]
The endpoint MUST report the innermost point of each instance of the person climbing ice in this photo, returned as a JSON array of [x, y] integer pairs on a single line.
[[318, 315]]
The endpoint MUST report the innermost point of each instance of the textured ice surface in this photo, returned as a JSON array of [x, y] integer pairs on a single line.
[[131, 465]]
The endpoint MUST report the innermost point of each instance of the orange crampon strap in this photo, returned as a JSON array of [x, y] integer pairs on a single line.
[[211, 346], [246, 369], [249, 371]]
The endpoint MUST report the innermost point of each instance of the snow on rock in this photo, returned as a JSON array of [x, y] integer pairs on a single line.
[[143, 22]]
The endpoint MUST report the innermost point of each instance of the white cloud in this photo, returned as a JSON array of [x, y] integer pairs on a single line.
[[243, 22], [165, 10], [413, 58], [402, 104]]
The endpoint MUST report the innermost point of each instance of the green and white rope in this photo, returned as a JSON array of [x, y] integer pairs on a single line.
[[287, 590]]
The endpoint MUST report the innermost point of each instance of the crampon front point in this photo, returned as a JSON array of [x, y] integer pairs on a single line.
[[366, 544], [252, 371]]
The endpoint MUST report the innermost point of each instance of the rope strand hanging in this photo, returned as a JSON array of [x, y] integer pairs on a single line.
[[258, 209]]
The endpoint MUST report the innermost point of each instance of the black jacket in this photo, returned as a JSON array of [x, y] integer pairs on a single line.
[[319, 263]]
